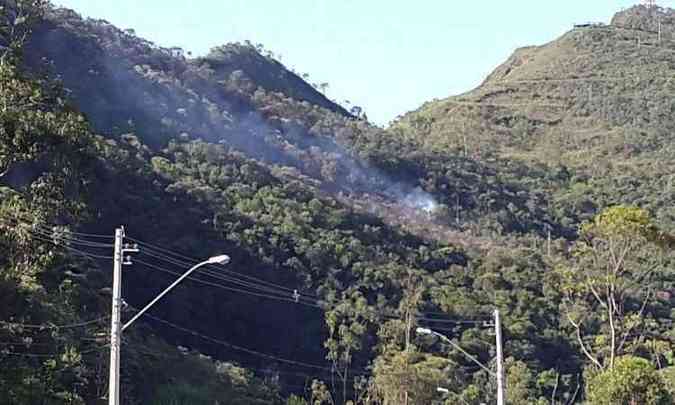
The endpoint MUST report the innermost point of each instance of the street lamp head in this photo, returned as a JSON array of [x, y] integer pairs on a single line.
[[424, 331], [222, 259]]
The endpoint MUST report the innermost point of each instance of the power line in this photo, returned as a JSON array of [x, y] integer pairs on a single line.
[[187, 260], [52, 355], [67, 235], [51, 326], [284, 294], [49, 227], [153, 251], [236, 347], [27, 344], [218, 275], [48, 236], [303, 301], [217, 285], [72, 249], [265, 292], [262, 370], [453, 321]]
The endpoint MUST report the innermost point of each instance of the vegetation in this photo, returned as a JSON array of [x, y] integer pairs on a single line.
[[344, 237], [631, 381]]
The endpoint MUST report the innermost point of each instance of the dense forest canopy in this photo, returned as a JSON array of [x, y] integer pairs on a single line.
[[531, 194]]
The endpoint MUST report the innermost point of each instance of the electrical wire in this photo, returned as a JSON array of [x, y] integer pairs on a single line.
[[27, 344], [217, 285], [74, 241], [41, 355], [48, 236], [49, 227], [261, 370], [187, 260], [265, 291], [236, 347], [72, 249], [50, 326], [452, 321], [264, 286], [223, 277], [153, 251]]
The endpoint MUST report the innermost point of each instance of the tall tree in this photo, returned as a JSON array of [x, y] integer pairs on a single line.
[[610, 281]]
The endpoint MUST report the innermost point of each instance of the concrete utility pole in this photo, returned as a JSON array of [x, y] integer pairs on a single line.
[[117, 328], [500, 360], [116, 318], [659, 24]]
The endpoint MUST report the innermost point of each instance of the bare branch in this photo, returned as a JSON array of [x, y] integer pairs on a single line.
[[577, 326], [640, 314]]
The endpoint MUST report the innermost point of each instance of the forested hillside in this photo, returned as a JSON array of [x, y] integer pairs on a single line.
[[544, 193]]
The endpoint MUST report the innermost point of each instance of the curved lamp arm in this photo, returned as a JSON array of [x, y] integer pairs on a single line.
[[427, 331], [222, 259]]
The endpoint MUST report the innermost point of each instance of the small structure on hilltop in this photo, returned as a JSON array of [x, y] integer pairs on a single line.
[[177, 52], [590, 25]]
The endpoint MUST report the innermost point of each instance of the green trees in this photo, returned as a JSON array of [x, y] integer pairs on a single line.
[[609, 287], [609, 283], [347, 324], [297, 209], [45, 163], [632, 381], [408, 377], [16, 22]]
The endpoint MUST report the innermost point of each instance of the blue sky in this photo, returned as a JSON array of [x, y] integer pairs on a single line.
[[388, 56]]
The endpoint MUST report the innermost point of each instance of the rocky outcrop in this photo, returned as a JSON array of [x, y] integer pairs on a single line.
[[643, 18]]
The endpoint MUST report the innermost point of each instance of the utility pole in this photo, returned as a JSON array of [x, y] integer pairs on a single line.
[[659, 24], [116, 318], [500, 360], [116, 326], [590, 92]]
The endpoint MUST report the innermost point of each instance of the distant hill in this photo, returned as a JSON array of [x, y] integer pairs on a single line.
[[343, 236], [599, 100], [122, 81], [240, 98]]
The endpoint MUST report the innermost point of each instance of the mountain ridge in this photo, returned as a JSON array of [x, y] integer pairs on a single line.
[[343, 236]]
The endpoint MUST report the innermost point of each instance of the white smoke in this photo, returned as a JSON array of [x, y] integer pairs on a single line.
[[421, 200]]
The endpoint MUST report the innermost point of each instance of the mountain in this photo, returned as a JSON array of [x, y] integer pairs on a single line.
[[343, 236], [597, 101]]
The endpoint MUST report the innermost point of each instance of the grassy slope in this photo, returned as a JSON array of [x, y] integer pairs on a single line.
[[592, 101]]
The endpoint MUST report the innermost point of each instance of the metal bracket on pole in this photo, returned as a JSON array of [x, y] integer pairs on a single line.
[[129, 249]]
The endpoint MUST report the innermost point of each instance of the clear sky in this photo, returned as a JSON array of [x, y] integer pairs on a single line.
[[388, 56]]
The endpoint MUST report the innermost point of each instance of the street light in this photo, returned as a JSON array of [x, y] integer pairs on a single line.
[[222, 260], [498, 374], [116, 325], [427, 331]]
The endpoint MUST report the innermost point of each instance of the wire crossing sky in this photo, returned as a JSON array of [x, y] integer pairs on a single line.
[[388, 56]]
